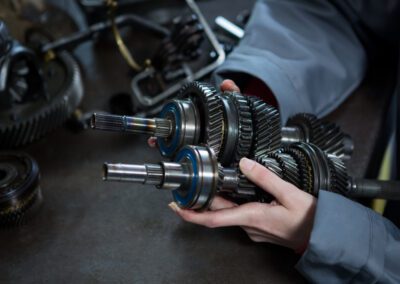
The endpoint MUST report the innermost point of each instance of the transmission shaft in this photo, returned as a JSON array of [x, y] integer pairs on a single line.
[[234, 126], [196, 176]]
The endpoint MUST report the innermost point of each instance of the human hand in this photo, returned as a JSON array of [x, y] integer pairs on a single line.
[[226, 85], [286, 221]]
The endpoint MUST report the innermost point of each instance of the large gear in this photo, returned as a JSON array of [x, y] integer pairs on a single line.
[[30, 120], [19, 187], [325, 135], [267, 126], [205, 97]]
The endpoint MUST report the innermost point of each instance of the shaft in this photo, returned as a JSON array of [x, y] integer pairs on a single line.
[[158, 127], [291, 134], [366, 188], [164, 175]]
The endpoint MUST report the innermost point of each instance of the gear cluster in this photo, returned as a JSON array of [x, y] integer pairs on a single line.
[[207, 132], [232, 125]]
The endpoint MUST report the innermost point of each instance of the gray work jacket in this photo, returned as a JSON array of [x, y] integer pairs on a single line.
[[312, 55]]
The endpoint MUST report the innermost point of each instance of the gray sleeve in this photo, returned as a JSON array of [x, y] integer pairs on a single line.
[[306, 52], [350, 244]]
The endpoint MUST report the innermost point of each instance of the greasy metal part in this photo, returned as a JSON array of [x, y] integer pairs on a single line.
[[157, 127], [20, 192], [150, 101]]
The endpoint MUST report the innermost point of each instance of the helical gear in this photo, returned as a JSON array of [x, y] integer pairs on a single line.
[[210, 108], [327, 136], [267, 127], [305, 171], [339, 177]]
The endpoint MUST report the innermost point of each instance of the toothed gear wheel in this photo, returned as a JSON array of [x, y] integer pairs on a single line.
[[284, 165], [267, 125], [339, 177], [32, 119], [304, 168], [245, 130], [327, 136], [20, 192], [206, 98]]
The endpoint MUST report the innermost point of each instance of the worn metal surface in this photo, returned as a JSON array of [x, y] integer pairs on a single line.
[[88, 231]]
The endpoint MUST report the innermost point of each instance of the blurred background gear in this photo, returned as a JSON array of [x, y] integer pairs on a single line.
[[36, 95], [20, 192], [195, 176]]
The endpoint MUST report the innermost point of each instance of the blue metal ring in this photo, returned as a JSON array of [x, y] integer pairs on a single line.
[[184, 201], [169, 149]]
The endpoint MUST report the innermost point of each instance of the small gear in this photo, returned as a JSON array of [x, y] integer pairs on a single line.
[[20, 192], [267, 125], [282, 164], [271, 163], [209, 104]]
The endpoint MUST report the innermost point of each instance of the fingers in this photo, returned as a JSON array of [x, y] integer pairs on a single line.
[[235, 216], [267, 180], [152, 142], [229, 85], [221, 203]]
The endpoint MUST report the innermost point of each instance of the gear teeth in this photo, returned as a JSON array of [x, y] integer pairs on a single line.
[[304, 169], [339, 177], [270, 163], [245, 135], [326, 135], [27, 130], [267, 128], [210, 106]]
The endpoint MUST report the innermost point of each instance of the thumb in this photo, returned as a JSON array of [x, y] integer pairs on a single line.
[[267, 180]]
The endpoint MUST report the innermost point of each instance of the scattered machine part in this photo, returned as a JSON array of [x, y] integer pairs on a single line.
[[35, 97], [234, 126], [20, 193], [195, 176], [185, 72]]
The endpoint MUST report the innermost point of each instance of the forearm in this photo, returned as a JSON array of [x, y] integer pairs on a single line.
[[350, 243], [306, 52]]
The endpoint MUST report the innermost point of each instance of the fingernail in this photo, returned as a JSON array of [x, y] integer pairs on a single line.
[[174, 207], [246, 164]]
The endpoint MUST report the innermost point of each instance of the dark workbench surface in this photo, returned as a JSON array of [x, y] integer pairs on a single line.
[[91, 231]]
